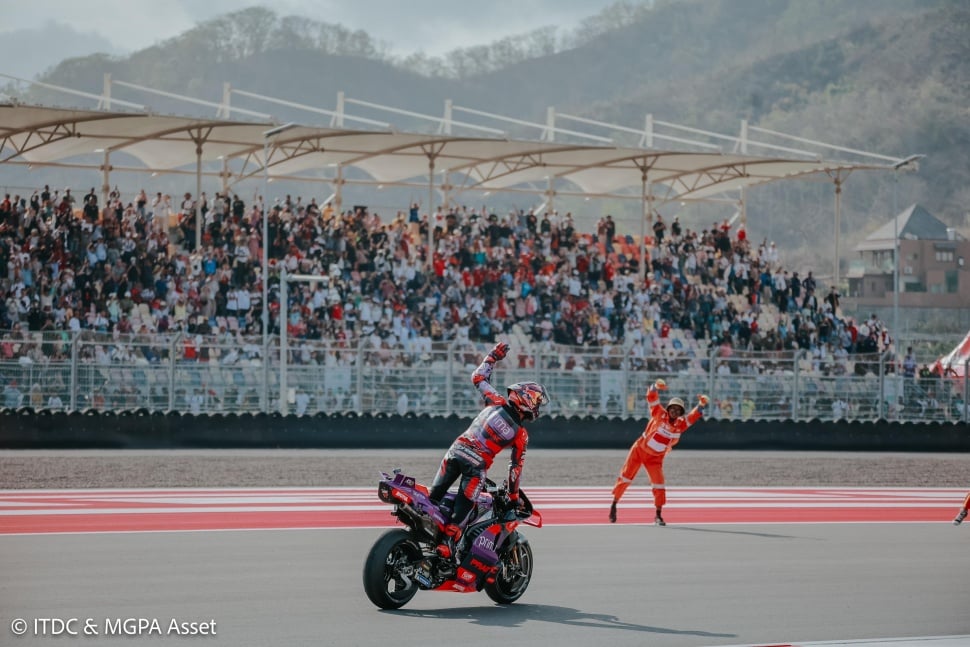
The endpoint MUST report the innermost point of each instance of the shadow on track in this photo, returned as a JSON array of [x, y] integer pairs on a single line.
[[518, 614], [767, 535]]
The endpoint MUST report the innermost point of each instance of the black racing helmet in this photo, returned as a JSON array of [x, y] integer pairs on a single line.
[[526, 398]]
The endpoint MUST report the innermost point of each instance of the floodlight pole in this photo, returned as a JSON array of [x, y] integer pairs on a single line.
[[285, 279], [265, 260], [895, 257], [901, 164], [284, 345], [965, 414]]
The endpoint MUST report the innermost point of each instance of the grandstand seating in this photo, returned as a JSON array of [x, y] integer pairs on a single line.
[[312, 243]]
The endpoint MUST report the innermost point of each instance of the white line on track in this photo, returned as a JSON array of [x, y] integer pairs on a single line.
[[914, 641]]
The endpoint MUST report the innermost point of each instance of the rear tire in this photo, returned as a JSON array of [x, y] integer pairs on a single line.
[[388, 572], [513, 575]]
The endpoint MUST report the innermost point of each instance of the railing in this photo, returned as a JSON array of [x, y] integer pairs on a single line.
[[226, 374]]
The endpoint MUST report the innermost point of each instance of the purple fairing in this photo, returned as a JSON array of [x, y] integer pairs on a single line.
[[483, 548], [420, 500]]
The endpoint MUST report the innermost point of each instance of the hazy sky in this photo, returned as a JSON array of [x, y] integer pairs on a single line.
[[407, 25]]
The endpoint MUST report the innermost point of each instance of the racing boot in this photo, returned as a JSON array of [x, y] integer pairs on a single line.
[[613, 512], [960, 517], [451, 533], [659, 520]]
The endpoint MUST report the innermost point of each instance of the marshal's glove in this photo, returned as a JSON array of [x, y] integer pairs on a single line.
[[660, 385], [703, 401], [498, 353]]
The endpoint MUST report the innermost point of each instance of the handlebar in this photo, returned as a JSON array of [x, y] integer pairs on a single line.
[[522, 510]]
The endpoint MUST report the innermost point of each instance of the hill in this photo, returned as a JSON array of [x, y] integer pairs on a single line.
[[890, 76]]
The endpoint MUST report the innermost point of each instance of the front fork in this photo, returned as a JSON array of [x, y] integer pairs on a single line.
[[513, 564]]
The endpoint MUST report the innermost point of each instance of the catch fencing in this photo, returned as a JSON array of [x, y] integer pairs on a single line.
[[229, 373]]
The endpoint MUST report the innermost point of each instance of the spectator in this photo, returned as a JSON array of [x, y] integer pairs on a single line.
[[54, 403], [12, 396], [832, 299], [909, 364], [840, 408], [302, 402], [747, 407], [123, 275], [195, 401], [659, 229], [402, 403]]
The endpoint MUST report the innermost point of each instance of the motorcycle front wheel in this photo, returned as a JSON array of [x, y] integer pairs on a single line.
[[513, 575], [389, 570]]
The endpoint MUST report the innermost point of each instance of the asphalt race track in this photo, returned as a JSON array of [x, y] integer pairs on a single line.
[[690, 584], [686, 585]]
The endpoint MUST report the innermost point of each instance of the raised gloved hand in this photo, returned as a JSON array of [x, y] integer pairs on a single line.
[[703, 401], [498, 353], [660, 385]]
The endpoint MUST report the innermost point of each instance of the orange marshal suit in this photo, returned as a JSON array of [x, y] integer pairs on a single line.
[[653, 445]]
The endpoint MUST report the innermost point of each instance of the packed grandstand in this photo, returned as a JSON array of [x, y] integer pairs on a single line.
[[126, 282]]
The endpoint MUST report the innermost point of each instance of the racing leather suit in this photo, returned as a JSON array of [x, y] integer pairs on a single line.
[[650, 449], [496, 427]]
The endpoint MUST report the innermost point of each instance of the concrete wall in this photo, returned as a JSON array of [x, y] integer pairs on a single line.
[[177, 431]]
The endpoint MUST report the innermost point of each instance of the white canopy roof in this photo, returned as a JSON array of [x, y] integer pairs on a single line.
[[43, 135]]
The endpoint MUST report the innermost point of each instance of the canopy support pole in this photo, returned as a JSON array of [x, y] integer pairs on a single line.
[[653, 245], [744, 208], [838, 177], [550, 197], [338, 188], [646, 206], [105, 178], [198, 196], [838, 227], [431, 218], [446, 191]]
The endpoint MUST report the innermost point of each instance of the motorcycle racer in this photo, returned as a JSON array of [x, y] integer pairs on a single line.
[[497, 426], [649, 450]]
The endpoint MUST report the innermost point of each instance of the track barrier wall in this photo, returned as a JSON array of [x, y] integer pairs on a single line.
[[24, 429]]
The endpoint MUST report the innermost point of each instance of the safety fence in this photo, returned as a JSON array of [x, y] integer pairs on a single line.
[[232, 374]]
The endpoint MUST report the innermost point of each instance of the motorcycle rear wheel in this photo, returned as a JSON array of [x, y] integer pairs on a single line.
[[513, 575], [388, 577]]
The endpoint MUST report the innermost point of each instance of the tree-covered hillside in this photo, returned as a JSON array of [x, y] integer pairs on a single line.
[[889, 76]]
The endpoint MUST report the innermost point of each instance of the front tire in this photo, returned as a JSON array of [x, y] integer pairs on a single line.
[[513, 575], [388, 570]]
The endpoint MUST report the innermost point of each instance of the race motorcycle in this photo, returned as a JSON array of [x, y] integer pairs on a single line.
[[491, 554]]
